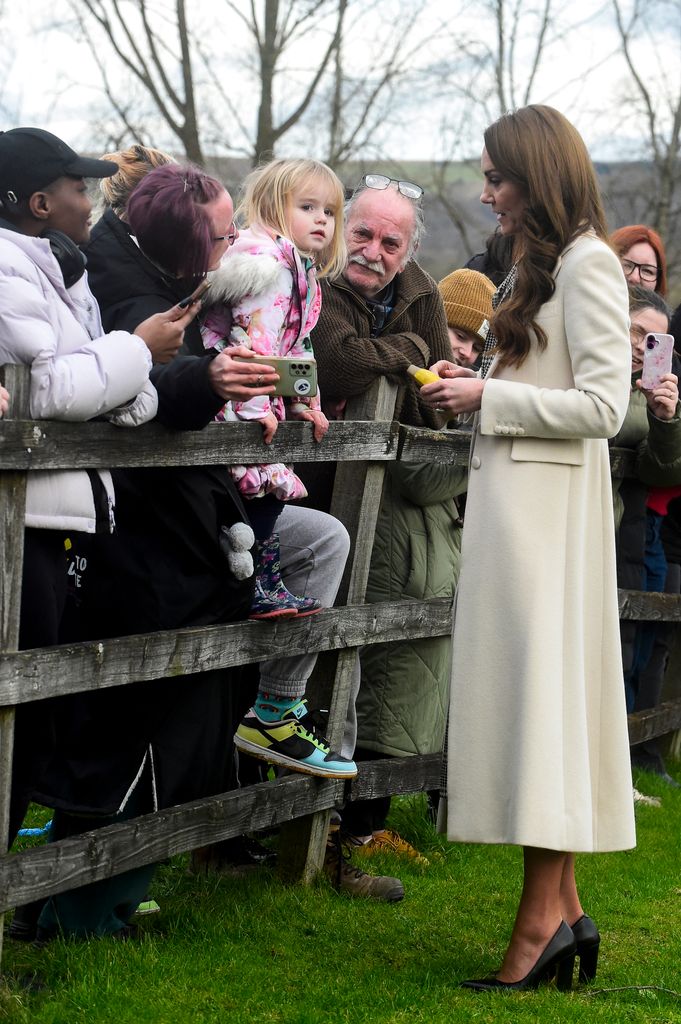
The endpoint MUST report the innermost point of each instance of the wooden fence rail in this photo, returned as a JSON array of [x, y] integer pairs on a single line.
[[362, 445]]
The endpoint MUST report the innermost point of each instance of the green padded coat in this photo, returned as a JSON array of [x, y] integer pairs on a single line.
[[404, 695]]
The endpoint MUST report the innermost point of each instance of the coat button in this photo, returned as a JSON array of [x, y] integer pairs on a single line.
[[475, 462]]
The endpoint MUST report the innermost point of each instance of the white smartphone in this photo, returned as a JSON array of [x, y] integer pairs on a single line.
[[657, 359]]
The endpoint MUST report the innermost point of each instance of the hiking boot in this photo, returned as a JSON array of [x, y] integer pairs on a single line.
[[293, 741], [387, 841], [346, 877], [272, 600]]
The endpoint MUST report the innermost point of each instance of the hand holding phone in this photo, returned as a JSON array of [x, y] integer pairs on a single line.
[[297, 374], [198, 293], [657, 359]]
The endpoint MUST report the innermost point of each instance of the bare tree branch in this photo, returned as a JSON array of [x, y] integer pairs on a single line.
[[663, 141]]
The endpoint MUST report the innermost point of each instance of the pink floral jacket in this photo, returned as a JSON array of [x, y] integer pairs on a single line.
[[263, 297]]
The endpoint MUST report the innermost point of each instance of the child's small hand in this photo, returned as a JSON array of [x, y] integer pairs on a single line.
[[317, 417], [269, 424]]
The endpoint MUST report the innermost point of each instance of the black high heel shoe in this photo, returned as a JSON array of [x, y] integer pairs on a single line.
[[558, 958], [588, 940]]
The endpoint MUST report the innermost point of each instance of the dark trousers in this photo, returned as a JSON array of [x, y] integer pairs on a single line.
[[43, 598], [362, 817], [100, 908], [647, 755], [646, 632]]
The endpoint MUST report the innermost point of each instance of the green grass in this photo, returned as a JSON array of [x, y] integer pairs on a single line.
[[250, 951]]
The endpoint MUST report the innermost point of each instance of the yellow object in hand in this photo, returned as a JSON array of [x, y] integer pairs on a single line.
[[422, 376]]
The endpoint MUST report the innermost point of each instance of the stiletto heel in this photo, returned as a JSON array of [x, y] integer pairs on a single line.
[[557, 959], [564, 973], [588, 942]]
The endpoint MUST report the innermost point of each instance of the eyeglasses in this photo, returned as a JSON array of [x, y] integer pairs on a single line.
[[230, 237], [646, 272], [382, 181]]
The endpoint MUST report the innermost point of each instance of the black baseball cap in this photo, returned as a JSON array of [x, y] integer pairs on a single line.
[[31, 159]]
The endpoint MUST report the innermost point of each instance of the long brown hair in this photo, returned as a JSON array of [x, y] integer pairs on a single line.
[[538, 150]]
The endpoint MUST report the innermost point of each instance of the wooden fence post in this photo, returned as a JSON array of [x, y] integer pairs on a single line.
[[355, 502], [12, 518]]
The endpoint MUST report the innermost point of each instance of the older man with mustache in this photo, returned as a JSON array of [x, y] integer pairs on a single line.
[[382, 315]]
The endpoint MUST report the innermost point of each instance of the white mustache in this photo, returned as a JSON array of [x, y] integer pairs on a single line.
[[376, 266]]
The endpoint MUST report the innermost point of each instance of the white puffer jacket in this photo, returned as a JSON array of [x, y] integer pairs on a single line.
[[77, 373]]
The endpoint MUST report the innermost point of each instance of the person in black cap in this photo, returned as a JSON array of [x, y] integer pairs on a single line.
[[49, 320]]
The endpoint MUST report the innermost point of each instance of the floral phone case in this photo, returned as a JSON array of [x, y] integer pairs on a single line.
[[657, 359]]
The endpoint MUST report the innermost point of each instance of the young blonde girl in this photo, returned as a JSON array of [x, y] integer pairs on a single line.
[[265, 296]]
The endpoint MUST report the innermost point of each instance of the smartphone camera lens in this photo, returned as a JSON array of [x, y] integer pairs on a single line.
[[651, 342]]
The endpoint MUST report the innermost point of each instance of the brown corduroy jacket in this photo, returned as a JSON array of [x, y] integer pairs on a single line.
[[349, 360]]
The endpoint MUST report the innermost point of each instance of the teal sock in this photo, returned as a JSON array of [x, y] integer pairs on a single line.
[[272, 709]]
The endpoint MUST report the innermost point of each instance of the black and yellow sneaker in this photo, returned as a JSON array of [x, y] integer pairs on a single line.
[[294, 742]]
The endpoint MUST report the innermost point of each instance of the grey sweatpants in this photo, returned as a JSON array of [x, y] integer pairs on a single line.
[[314, 549]]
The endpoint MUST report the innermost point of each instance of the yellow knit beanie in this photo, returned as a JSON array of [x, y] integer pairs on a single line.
[[467, 297]]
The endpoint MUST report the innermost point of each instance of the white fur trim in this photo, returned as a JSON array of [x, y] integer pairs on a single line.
[[242, 274]]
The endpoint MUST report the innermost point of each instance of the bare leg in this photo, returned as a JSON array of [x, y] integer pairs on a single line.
[[571, 907], [539, 914]]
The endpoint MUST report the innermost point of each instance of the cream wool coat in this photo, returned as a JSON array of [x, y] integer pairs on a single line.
[[538, 747]]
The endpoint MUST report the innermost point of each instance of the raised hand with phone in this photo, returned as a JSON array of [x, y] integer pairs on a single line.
[[652, 353], [163, 333], [658, 383]]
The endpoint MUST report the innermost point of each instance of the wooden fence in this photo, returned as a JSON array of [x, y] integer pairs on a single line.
[[299, 805]]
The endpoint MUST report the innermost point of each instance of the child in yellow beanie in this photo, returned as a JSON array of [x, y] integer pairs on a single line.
[[467, 297]]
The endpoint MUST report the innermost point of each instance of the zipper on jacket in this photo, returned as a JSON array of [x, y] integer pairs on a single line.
[[104, 521]]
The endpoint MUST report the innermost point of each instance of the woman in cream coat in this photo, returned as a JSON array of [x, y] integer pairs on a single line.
[[538, 750]]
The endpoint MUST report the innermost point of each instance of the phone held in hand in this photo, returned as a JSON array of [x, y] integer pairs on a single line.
[[657, 359], [195, 295], [297, 374]]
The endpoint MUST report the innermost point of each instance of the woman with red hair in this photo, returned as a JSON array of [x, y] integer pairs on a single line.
[[641, 253]]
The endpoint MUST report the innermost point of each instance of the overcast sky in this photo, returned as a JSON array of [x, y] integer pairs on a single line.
[[52, 82]]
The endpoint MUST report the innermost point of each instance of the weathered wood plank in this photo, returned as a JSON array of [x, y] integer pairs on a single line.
[[645, 725], [357, 493], [57, 867], [647, 606], [44, 444], [392, 776], [355, 502], [12, 515], [451, 447], [73, 668]]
